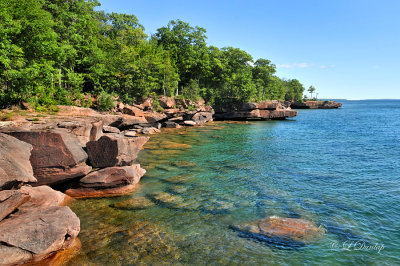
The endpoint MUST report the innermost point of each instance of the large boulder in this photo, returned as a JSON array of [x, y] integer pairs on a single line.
[[167, 102], [124, 121], [15, 167], [56, 157], [84, 130], [154, 117], [131, 110], [199, 117], [114, 150], [108, 181], [10, 200], [41, 197], [282, 231], [35, 235]]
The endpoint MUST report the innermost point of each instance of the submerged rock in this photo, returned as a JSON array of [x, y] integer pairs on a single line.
[[218, 207], [166, 198], [184, 164], [282, 231], [15, 167], [134, 204], [178, 189], [179, 179]]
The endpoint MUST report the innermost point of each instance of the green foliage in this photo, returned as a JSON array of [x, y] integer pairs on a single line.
[[105, 101], [61, 51], [294, 90]]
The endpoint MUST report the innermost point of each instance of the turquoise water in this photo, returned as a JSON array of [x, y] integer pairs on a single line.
[[337, 168]]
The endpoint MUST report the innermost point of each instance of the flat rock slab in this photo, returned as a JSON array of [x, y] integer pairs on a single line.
[[56, 156], [108, 182], [15, 167], [40, 233], [10, 200], [284, 231], [113, 177], [114, 150]]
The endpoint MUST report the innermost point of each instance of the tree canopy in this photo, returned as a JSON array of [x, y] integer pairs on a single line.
[[63, 51]]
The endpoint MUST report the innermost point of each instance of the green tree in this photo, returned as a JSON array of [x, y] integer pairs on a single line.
[[294, 90], [188, 50], [311, 90]]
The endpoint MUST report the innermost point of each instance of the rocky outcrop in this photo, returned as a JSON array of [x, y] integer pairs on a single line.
[[34, 235], [15, 167], [114, 150], [84, 130], [123, 121], [56, 156], [34, 224], [108, 181], [316, 105], [10, 200], [282, 231], [41, 197], [266, 110]]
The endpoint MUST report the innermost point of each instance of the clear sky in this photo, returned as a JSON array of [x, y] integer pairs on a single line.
[[345, 48]]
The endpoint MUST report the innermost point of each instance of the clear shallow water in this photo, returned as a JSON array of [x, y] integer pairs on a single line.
[[338, 168]]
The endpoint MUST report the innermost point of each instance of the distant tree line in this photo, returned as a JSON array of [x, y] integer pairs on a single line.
[[63, 51]]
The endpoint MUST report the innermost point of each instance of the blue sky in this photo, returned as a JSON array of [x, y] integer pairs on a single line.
[[346, 49]]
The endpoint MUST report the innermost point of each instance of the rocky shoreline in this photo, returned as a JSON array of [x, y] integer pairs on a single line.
[[316, 105], [78, 152]]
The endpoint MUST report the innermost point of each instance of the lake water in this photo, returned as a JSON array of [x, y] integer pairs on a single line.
[[338, 168]]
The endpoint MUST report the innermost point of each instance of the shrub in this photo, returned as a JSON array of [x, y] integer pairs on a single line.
[[105, 101]]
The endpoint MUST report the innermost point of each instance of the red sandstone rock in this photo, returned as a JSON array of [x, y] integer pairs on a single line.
[[123, 121], [56, 156], [279, 229], [316, 105], [41, 197], [10, 200], [66, 110], [114, 150], [108, 181], [15, 167], [167, 102], [202, 117], [130, 110], [35, 235], [153, 117]]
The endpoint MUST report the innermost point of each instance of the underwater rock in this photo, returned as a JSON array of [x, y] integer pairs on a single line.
[[134, 204], [282, 231], [184, 164], [165, 198], [178, 189], [179, 179], [218, 207]]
